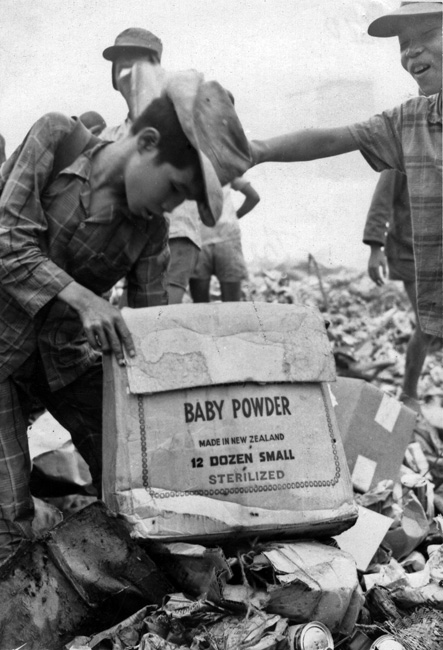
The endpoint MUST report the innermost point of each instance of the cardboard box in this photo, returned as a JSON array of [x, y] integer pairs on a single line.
[[375, 429], [223, 425]]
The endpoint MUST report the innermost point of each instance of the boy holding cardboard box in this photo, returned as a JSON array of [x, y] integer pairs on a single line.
[[407, 138], [66, 241]]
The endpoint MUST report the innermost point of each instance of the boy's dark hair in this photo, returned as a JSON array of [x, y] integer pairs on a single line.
[[174, 147]]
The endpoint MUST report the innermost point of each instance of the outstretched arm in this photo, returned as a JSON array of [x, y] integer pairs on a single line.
[[298, 146]]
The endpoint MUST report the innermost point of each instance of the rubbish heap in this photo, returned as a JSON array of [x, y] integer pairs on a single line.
[[251, 501]]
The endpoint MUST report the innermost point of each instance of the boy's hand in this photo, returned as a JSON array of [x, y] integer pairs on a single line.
[[103, 323], [377, 265]]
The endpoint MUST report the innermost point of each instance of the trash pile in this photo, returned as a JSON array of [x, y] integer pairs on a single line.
[[369, 325], [92, 581]]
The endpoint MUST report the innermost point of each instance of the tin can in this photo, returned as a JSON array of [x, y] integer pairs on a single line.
[[387, 642], [310, 636], [419, 487]]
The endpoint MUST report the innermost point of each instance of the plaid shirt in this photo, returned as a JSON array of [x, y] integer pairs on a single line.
[[49, 237], [389, 218], [409, 138]]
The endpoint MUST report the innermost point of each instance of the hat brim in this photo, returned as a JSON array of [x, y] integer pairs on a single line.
[[392, 24], [211, 209], [181, 90], [209, 121], [114, 51]]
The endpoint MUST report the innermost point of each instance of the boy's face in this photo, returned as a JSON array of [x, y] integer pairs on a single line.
[[421, 52], [156, 188]]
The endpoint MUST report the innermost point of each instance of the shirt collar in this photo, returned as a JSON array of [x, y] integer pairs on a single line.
[[82, 165], [434, 109]]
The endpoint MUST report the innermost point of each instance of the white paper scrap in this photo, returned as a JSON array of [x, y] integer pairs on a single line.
[[363, 473], [388, 412], [365, 536]]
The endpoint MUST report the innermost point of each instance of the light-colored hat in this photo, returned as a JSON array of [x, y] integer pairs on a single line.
[[209, 121], [392, 23]]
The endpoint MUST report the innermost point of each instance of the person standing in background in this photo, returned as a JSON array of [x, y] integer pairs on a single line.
[[132, 45], [388, 232], [222, 254]]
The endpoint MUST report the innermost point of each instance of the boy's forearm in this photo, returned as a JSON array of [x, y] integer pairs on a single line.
[[298, 146]]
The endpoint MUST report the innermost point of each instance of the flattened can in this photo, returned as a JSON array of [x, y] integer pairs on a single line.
[[387, 642], [310, 636]]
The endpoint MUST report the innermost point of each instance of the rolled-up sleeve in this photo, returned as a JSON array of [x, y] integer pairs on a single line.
[[26, 272], [380, 140]]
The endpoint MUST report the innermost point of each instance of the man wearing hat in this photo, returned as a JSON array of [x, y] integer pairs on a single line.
[[407, 138], [65, 242], [132, 45]]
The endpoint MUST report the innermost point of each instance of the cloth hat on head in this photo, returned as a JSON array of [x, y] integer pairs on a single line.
[[209, 121], [136, 40], [391, 24]]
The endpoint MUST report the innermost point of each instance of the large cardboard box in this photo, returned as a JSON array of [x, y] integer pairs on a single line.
[[223, 425], [375, 429]]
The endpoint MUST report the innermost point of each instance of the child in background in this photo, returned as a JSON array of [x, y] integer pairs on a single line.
[[221, 254]]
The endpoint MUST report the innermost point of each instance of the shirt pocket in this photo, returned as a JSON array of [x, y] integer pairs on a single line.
[[101, 271]]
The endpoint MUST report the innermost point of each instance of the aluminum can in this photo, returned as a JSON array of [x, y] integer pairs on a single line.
[[310, 636], [387, 642]]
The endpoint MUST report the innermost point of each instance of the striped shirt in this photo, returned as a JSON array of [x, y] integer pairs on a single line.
[[409, 138], [48, 238]]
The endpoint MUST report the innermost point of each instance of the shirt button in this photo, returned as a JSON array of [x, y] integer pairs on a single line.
[[82, 225]]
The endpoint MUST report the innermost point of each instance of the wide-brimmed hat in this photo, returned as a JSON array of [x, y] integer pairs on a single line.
[[392, 23], [210, 122], [135, 40]]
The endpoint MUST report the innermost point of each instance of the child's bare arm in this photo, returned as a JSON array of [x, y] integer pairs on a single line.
[[252, 197], [309, 144]]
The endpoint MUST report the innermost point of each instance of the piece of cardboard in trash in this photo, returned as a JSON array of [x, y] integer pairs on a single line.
[[197, 570], [413, 529], [365, 536], [312, 581], [375, 429]]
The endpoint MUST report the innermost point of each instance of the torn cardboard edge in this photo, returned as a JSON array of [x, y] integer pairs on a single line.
[[185, 346]]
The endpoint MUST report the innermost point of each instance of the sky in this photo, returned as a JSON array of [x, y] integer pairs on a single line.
[[290, 64]]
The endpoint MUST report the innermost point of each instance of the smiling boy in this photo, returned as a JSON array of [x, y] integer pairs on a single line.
[[407, 138], [63, 243]]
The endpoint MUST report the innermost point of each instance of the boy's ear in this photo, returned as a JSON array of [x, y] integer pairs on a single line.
[[148, 139]]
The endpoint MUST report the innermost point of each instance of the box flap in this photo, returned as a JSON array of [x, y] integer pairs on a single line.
[[185, 346]]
